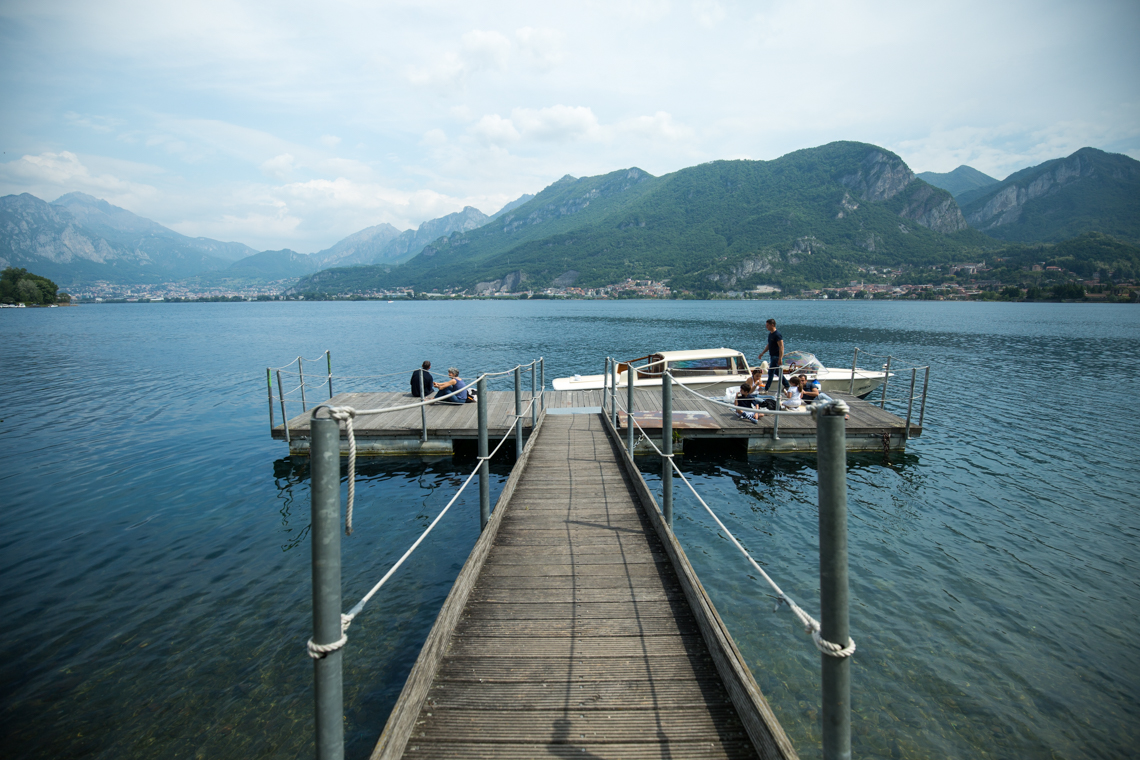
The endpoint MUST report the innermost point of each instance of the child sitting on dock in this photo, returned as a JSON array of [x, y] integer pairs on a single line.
[[795, 393], [453, 384], [746, 398]]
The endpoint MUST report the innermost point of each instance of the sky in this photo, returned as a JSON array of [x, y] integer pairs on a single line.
[[293, 125]]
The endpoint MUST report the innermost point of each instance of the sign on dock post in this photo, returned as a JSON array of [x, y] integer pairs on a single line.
[[327, 673], [833, 588]]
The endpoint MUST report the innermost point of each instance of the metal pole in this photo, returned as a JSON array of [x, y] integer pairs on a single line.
[[423, 415], [854, 362], [328, 360], [776, 418], [667, 448], [533, 398], [835, 627], [886, 377], [922, 408], [284, 417], [910, 403], [328, 678], [629, 375], [484, 471], [301, 372], [518, 412], [613, 393], [269, 386], [605, 380], [542, 371]]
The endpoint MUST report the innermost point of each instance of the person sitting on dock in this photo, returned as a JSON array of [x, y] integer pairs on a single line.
[[746, 397], [810, 389], [453, 384], [795, 393], [422, 381]]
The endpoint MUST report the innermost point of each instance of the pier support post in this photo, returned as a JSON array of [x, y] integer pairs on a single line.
[[284, 417], [484, 469], [269, 387], [776, 418], [613, 393], [533, 398], [667, 448], [910, 403], [629, 376], [518, 412], [423, 420], [327, 673], [886, 378], [328, 363], [542, 371], [834, 623], [922, 407], [854, 363], [605, 382], [301, 374]]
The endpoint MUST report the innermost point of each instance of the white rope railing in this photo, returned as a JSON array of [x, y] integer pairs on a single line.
[[346, 415], [811, 625]]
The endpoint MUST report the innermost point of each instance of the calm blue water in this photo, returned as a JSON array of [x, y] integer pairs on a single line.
[[154, 569]]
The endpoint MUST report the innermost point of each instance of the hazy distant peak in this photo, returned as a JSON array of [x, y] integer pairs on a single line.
[[960, 180], [512, 205]]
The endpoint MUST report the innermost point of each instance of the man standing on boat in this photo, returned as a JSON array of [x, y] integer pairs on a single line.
[[775, 354]]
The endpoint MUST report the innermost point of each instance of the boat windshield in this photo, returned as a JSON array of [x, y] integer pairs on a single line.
[[802, 361], [720, 365]]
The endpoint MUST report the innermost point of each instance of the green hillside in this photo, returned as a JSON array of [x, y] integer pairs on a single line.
[[1089, 191], [807, 218]]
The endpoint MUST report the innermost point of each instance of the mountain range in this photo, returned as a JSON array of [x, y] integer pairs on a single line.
[[79, 239], [813, 216]]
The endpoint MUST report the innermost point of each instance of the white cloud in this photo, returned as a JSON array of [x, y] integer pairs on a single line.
[[659, 126], [434, 138], [279, 167], [479, 51], [708, 13], [493, 129], [541, 48], [485, 50], [52, 174], [330, 141], [557, 123]]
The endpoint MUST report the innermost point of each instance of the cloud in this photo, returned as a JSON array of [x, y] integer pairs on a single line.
[[279, 167], [330, 141], [479, 51], [708, 13], [54, 174], [493, 129], [540, 48], [434, 138], [659, 126], [556, 123]]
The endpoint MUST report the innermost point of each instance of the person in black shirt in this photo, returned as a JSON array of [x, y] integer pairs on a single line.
[[423, 384], [775, 352]]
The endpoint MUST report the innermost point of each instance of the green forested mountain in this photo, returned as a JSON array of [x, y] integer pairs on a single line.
[[807, 218], [1089, 191], [960, 180]]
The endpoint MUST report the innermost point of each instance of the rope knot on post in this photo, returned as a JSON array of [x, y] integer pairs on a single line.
[[832, 649], [345, 414], [319, 651]]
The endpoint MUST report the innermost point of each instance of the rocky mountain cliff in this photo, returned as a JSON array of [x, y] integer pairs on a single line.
[[811, 215], [1089, 191]]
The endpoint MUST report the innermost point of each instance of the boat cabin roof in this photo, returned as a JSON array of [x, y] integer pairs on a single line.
[[707, 353]]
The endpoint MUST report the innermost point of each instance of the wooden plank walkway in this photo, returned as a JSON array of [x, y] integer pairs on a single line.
[[572, 630]]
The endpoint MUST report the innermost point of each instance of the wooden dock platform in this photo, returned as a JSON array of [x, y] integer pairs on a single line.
[[577, 628], [452, 426]]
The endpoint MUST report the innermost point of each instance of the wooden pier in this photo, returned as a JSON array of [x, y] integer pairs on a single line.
[[698, 422], [577, 627]]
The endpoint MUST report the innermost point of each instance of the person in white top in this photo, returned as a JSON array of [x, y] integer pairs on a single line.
[[795, 393]]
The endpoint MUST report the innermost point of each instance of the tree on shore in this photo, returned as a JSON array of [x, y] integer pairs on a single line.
[[21, 286]]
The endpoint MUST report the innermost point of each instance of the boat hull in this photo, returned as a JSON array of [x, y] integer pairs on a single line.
[[831, 380]]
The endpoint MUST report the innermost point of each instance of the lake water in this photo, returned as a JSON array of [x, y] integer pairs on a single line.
[[154, 568]]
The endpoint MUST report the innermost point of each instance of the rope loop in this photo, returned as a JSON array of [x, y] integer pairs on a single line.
[[320, 651], [832, 649]]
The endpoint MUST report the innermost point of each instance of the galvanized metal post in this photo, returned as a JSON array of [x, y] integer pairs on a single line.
[[301, 373], [613, 393], [922, 408], [854, 362], [484, 470], [667, 448], [910, 403], [629, 375], [533, 398], [423, 416], [542, 371], [328, 678], [776, 418], [328, 361], [284, 417], [269, 387], [886, 377], [518, 411], [605, 381], [834, 623]]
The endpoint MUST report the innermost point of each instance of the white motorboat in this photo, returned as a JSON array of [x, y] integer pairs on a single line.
[[712, 371]]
